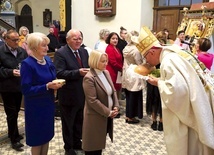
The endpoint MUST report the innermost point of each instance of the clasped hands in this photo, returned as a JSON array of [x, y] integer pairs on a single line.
[[114, 112]]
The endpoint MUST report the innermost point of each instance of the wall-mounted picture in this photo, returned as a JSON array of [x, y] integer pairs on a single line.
[[105, 7], [47, 18]]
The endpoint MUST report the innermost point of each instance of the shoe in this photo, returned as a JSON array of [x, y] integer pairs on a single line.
[[132, 121], [20, 137], [118, 116], [154, 125], [17, 146], [160, 126]]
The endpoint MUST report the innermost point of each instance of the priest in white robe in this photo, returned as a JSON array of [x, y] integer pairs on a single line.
[[188, 119]]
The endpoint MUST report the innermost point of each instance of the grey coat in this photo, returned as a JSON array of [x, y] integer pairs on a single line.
[[96, 112]]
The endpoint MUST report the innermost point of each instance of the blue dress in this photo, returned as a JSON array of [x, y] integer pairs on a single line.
[[39, 102]]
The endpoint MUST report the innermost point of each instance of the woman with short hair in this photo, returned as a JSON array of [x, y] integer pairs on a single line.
[[37, 73], [101, 105]]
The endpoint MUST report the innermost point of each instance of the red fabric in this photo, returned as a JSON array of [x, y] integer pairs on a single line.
[[78, 59], [56, 33], [115, 64], [153, 47]]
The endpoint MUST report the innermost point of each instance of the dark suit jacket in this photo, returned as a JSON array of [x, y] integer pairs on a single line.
[[8, 62], [54, 43], [67, 67]]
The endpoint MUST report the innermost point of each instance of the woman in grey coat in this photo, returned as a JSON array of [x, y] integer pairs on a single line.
[[101, 105]]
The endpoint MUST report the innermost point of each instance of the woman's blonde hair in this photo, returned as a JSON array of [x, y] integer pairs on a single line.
[[129, 35], [94, 58], [21, 30], [162, 37], [103, 33], [35, 39]]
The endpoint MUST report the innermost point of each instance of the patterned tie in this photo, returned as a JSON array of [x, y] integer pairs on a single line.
[[78, 58]]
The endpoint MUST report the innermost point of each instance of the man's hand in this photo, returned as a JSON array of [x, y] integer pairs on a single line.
[[16, 72], [83, 71]]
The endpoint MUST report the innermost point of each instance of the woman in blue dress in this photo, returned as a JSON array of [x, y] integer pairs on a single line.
[[37, 74]]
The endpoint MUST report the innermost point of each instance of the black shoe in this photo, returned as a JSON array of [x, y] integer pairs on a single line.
[[20, 137], [17, 146], [154, 125], [118, 116], [132, 121], [160, 126]]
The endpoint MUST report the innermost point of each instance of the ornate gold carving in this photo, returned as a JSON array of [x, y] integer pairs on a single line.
[[184, 21], [62, 14], [198, 23]]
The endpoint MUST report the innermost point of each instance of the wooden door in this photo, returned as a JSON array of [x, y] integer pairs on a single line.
[[168, 19]]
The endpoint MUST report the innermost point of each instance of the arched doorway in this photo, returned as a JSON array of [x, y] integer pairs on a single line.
[[25, 18]]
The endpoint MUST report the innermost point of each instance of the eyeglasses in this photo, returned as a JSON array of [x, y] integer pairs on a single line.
[[14, 40]]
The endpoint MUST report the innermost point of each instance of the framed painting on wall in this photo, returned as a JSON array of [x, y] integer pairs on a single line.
[[105, 8], [47, 18]]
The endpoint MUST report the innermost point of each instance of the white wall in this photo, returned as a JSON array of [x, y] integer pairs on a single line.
[[37, 11], [129, 14], [147, 13]]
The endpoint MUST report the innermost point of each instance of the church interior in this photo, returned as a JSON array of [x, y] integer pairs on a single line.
[[195, 17]]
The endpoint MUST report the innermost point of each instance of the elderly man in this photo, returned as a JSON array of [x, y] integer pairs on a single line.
[[187, 113], [71, 62], [11, 56]]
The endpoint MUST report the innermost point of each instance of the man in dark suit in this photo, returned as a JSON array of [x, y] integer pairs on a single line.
[[11, 56], [71, 63]]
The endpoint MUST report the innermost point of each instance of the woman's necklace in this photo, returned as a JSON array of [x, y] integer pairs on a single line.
[[41, 62]]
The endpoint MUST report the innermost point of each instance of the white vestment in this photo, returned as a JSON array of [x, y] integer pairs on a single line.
[[187, 114]]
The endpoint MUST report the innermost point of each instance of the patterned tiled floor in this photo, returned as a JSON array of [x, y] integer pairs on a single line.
[[129, 139]]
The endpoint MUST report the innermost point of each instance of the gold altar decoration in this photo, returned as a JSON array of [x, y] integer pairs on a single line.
[[62, 14], [197, 23]]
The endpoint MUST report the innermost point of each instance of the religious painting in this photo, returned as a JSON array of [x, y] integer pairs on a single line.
[[196, 27], [47, 18], [105, 7]]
